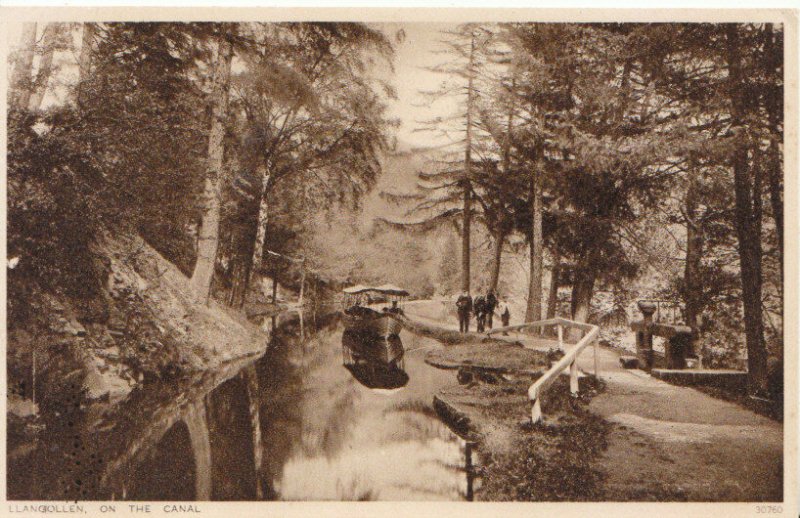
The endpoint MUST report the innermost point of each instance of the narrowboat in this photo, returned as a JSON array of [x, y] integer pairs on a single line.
[[369, 310]]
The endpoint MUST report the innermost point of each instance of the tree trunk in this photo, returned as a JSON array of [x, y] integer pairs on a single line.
[[465, 227], [245, 286], [747, 227], [692, 275], [582, 291], [261, 228], [85, 59], [465, 246], [209, 227], [234, 282], [51, 33], [302, 282], [500, 235], [499, 240], [534, 309], [555, 280], [776, 198], [773, 62], [509, 127], [584, 277], [23, 66]]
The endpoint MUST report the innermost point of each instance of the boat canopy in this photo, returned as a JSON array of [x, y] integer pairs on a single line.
[[358, 288], [386, 289]]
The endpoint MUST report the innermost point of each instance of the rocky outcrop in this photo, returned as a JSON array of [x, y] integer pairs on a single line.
[[143, 324]]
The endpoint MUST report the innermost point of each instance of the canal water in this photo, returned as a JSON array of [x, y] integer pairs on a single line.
[[322, 415]]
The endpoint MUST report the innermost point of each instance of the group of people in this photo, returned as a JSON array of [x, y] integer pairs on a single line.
[[484, 309], [395, 309]]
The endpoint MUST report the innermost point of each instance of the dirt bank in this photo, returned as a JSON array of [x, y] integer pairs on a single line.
[[493, 357]]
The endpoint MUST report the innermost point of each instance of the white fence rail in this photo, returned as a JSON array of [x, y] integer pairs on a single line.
[[569, 361]]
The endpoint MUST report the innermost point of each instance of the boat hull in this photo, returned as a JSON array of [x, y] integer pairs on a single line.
[[380, 326]]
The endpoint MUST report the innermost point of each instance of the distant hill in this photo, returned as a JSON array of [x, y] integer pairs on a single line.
[[400, 168]]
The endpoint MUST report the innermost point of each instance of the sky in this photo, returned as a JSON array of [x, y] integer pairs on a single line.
[[412, 55]]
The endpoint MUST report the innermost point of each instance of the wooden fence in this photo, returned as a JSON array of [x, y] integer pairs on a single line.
[[569, 361]]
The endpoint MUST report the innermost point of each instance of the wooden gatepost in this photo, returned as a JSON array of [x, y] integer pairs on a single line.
[[679, 339]]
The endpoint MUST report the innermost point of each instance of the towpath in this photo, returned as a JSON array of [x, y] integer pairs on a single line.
[[669, 442]]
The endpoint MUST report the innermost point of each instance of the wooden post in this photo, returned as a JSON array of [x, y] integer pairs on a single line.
[[560, 337], [573, 377], [468, 468], [302, 330], [595, 358], [33, 378], [302, 280], [536, 411]]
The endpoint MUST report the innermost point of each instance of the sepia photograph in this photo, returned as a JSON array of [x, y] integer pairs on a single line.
[[399, 258]]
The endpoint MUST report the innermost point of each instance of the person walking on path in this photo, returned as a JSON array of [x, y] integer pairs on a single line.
[[505, 314], [479, 307], [491, 304], [464, 308]]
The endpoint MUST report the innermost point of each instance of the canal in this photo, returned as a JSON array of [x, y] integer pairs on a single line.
[[321, 415]]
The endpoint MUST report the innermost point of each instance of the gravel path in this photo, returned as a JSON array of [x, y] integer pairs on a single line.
[[677, 443]]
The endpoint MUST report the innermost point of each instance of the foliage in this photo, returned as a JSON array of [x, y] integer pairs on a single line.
[[143, 118], [52, 213], [308, 130]]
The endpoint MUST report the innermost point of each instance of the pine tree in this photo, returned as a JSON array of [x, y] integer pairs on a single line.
[[450, 188]]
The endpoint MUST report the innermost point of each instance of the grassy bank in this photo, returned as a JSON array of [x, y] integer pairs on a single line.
[[551, 461]]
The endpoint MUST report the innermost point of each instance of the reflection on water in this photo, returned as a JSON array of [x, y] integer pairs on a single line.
[[324, 414], [166, 467]]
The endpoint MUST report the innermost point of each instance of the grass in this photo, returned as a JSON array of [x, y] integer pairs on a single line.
[[551, 461]]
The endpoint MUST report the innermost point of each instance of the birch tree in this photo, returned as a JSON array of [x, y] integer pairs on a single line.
[[50, 43], [85, 58], [20, 93], [310, 112], [208, 233]]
